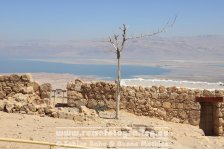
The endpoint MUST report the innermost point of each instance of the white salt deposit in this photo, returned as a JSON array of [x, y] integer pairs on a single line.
[[169, 83]]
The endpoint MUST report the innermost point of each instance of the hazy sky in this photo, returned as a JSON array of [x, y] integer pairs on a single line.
[[88, 19]]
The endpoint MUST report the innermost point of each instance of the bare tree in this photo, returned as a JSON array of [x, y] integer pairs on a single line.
[[118, 43]]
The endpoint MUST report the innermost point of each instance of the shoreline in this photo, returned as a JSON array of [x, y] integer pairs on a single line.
[[60, 80]]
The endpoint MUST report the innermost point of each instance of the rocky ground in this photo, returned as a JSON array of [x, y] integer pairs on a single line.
[[32, 127], [41, 126]]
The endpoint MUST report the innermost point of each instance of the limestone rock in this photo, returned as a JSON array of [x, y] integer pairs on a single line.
[[45, 95], [219, 121], [49, 110], [2, 105], [218, 113], [219, 93], [161, 112], [139, 95], [14, 77], [91, 103], [31, 107], [74, 94], [183, 115], [175, 120], [153, 89], [218, 130], [87, 111], [157, 104], [207, 93], [163, 96], [45, 87], [45, 90], [2, 94], [141, 89], [27, 77], [2, 78], [167, 105], [9, 106], [173, 96], [36, 86], [40, 109], [162, 89], [76, 85], [81, 102], [155, 95], [17, 88], [180, 105], [18, 105], [19, 97], [55, 114], [194, 122], [131, 93], [7, 90], [27, 90], [173, 89]]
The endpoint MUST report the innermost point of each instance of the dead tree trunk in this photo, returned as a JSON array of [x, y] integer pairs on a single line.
[[118, 85], [118, 44]]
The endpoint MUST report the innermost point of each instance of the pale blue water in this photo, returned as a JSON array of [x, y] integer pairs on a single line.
[[105, 71]]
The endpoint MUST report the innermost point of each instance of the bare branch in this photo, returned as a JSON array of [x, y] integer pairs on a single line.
[[169, 24], [124, 37], [112, 42], [116, 41], [119, 43]]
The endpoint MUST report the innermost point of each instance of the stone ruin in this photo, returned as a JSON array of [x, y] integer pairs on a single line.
[[20, 94], [166, 103]]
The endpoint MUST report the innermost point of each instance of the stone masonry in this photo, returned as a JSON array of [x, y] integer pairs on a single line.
[[167, 103], [19, 94]]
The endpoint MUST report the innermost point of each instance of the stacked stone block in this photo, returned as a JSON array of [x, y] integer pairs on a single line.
[[218, 119], [19, 94], [167, 103]]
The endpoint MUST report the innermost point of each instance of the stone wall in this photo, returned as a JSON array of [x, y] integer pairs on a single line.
[[167, 103], [19, 94]]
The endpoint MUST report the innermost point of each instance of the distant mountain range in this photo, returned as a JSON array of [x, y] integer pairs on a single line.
[[209, 48]]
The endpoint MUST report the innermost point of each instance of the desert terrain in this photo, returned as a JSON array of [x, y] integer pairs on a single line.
[[31, 127]]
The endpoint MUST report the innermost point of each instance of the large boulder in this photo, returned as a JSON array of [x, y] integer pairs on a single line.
[[75, 85], [167, 105], [86, 111], [20, 97], [36, 87], [14, 78], [17, 88], [9, 106], [91, 103], [27, 77], [46, 87], [45, 90], [27, 90], [31, 107], [2, 78]]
